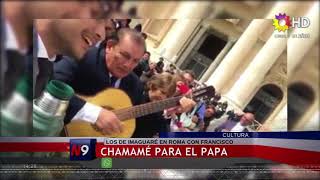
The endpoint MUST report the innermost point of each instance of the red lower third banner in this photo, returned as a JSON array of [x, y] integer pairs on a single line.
[[277, 154], [283, 155], [174, 151], [296, 157]]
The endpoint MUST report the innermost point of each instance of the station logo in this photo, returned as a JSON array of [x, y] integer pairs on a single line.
[[82, 149]]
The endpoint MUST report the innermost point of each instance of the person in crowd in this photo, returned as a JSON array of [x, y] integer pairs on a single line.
[[143, 65], [221, 108], [144, 35], [202, 114], [159, 87], [216, 99], [70, 37], [122, 23], [138, 27], [115, 6], [198, 119], [101, 68], [235, 125], [149, 73], [172, 69], [208, 116], [189, 77], [184, 84], [173, 115], [160, 65], [133, 11], [110, 27]]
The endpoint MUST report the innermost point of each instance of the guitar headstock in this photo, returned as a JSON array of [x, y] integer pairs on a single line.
[[203, 93]]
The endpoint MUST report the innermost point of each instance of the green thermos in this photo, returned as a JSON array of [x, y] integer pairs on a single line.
[[50, 108]]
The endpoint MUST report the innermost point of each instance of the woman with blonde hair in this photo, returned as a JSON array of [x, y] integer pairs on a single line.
[[158, 87], [161, 86]]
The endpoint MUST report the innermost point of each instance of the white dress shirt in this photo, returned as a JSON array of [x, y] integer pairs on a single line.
[[42, 51], [90, 112], [11, 40]]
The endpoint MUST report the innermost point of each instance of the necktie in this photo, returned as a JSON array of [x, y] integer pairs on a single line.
[[113, 81]]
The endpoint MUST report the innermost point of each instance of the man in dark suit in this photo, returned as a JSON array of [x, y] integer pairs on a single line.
[[102, 68], [237, 126]]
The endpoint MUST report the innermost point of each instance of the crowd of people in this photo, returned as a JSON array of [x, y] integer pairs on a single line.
[[200, 117]]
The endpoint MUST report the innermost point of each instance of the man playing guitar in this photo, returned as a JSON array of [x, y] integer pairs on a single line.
[[105, 67]]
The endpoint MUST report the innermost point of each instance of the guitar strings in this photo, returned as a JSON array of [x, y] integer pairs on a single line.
[[147, 108], [144, 109]]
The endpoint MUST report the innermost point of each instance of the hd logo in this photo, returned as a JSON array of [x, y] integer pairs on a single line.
[[82, 149]]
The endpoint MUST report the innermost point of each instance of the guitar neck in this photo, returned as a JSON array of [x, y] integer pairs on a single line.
[[145, 109]]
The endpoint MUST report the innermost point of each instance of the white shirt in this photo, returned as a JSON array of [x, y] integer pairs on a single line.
[[238, 128], [11, 40], [42, 51], [117, 83], [89, 112]]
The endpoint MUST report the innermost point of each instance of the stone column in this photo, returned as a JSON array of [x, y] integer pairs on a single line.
[[216, 61], [236, 55], [255, 73], [178, 34], [188, 16], [244, 44], [313, 123], [280, 122], [298, 47], [277, 121]]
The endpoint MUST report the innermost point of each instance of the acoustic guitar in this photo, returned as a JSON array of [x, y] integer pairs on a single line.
[[119, 102]]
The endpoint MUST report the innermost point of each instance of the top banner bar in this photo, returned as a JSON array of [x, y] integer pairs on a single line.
[[315, 135]]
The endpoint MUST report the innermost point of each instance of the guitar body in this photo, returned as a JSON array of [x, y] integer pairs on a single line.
[[111, 99], [120, 103]]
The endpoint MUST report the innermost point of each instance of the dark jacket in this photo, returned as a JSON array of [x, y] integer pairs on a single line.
[[45, 74], [143, 66], [159, 67], [13, 66], [90, 76]]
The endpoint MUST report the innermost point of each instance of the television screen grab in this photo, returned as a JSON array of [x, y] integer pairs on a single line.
[[159, 90]]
